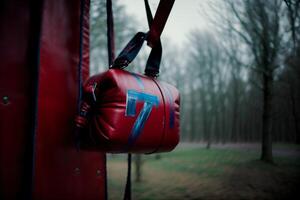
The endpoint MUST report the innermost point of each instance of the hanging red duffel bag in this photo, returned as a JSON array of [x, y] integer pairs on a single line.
[[127, 112], [132, 113]]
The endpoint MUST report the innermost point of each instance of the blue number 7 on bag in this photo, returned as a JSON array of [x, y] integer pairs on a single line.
[[131, 100]]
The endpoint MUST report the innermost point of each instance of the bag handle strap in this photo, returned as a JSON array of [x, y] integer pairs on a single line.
[[159, 22], [154, 59], [152, 37], [127, 194]]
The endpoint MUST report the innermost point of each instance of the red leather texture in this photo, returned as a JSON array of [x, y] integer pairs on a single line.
[[16, 81], [122, 100], [61, 171]]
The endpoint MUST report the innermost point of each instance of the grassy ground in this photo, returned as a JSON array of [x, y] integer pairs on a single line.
[[218, 173]]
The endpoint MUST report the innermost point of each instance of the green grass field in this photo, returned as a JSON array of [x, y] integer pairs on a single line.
[[198, 173]]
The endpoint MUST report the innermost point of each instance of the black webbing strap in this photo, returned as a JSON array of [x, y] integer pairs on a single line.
[[153, 62], [131, 50], [161, 16], [110, 32], [111, 57], [127, 194]]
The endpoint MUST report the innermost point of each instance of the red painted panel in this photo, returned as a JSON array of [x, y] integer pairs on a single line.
[[15, 84], [61, 171]]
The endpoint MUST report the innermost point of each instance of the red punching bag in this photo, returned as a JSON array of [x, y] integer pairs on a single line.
[[44, 47]]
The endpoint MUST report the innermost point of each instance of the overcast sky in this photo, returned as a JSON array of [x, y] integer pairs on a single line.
[[185, 16]]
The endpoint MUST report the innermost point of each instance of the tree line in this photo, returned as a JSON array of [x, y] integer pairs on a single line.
[[239, 80]]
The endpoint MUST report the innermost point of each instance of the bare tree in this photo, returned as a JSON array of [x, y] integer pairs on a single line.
[[293, 60], [257, 23], [98, 36], [206, 62]]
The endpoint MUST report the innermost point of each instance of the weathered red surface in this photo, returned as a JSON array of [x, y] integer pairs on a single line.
[[119, 122], [15, 84], [59, 170]]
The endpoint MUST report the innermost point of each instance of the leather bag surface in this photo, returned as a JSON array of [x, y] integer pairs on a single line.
[[128, 112]]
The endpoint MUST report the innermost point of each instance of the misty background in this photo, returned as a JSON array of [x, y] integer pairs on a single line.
[[236, 64]]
